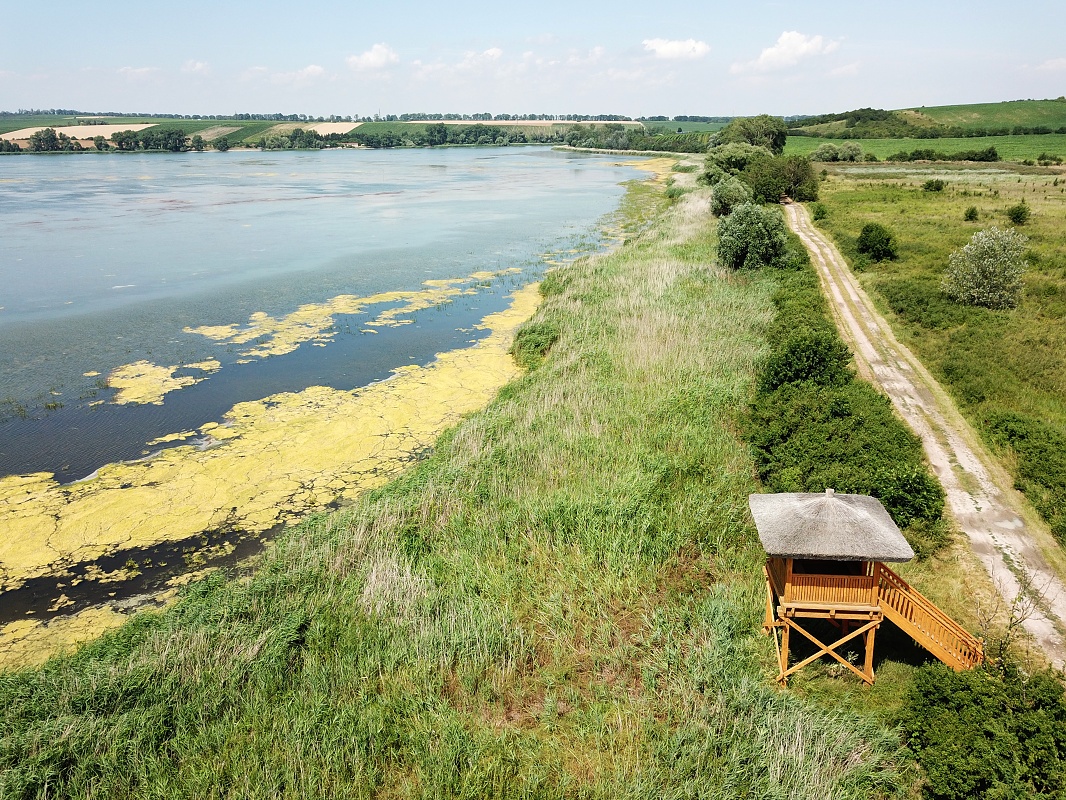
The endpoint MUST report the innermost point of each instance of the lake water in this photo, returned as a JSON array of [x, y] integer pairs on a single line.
[[111, 260]]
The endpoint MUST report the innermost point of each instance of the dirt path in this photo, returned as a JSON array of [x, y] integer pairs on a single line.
[[975, 490]]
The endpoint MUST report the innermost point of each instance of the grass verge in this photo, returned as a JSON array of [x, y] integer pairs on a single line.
[[562, 600]]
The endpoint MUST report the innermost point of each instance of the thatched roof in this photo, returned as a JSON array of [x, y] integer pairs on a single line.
[[830, 526]]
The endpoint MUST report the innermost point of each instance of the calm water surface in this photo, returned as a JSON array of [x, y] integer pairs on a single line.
[[104, 260]]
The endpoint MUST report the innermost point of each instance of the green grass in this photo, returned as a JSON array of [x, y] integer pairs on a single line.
[[563, 600], [1028, 113], [1007, 369], [1010, 148]]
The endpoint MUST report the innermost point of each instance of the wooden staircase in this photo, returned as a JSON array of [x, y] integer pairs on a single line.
[[930, 627]]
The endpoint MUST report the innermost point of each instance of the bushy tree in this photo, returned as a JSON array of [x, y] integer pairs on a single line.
[[848, 151], [988, 271], [735, 156], [877, 242], [762, 131], [971, 214], [752, 237], [729, 194], [772, 178], [222, 145]]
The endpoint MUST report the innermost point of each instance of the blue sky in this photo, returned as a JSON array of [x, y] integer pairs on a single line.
[[645, 58]]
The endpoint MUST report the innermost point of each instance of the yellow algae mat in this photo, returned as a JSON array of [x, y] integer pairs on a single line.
[[269, 462]]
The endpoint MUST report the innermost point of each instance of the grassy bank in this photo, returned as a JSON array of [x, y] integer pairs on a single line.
[[1006, 369], [563, 599]]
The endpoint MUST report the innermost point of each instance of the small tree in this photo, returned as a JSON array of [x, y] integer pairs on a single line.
[[222, 145], [729, 194], [971, 214], [197, 143], [1019, 214], [933, 185], [733, 157], [988, 271], [877, 241], [752, 237]]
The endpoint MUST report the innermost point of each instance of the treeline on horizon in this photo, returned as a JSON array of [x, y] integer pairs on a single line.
[[407, 117]]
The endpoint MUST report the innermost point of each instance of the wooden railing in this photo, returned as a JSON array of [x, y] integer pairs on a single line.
[[845, 590], [928, 625]]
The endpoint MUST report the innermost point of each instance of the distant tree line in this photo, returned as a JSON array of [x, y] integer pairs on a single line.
[[928, 154], [298, 139]]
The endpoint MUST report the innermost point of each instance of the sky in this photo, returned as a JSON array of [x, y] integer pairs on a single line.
[[633, 58]]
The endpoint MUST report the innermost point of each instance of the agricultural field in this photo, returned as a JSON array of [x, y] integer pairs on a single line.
[[1027, 113], [1010, 148], [1006, 369]]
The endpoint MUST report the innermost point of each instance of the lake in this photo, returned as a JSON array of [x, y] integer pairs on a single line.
[[194, 347]]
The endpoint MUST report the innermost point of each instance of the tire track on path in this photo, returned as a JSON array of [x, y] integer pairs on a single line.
[[982, 508]]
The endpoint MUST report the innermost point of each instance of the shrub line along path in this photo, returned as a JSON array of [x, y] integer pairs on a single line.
[[976, 493]]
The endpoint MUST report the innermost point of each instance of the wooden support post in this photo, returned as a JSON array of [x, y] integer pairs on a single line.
[[825, 649], [869, 666]]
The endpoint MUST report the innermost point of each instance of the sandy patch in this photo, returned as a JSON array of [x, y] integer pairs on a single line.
[[83, 132], [326, 128], [272, 461]]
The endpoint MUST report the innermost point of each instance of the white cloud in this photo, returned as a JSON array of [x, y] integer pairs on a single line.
[[377, 57], [139, 73], [300, 77], [846, 70], [676, 48], [791, 48], [1053, 65], [196, 67]]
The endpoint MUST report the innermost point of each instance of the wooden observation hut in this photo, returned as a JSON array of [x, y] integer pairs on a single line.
[[826, 557]]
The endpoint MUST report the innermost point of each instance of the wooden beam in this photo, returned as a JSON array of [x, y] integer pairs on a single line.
[[829, 649]]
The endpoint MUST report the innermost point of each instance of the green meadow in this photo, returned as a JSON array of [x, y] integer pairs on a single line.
[[1006, 369]]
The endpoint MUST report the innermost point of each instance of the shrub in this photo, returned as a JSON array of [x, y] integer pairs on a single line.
[[819, 211], [851, 151], [988, 734], [713, 175], [826, 152], [818, 356], [933, 185], [752, 237], [876, 241], [1019, 214], [532, 343], [772, 178], [971, 214], [733, 157], [987, 272], [729, 194]]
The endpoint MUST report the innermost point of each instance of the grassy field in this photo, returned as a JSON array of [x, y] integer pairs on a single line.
[[562, 600], [1010, 148], [1028, 113], [1007, 369]]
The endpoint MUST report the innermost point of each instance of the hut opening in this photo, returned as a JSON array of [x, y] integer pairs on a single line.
[[826, 560]]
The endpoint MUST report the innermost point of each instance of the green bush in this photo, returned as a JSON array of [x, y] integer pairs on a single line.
[[876, 241], [819, 211], [752, 237], [988, 271], [818, 356], [1041, 463], [733, 157], [532, 342], [971, 214], [729, 194], [988, 734], [934, 185], [713, 175], [772, 178], [1019, 214]]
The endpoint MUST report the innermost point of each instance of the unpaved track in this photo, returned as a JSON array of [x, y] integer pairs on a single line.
[[983, 510]]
